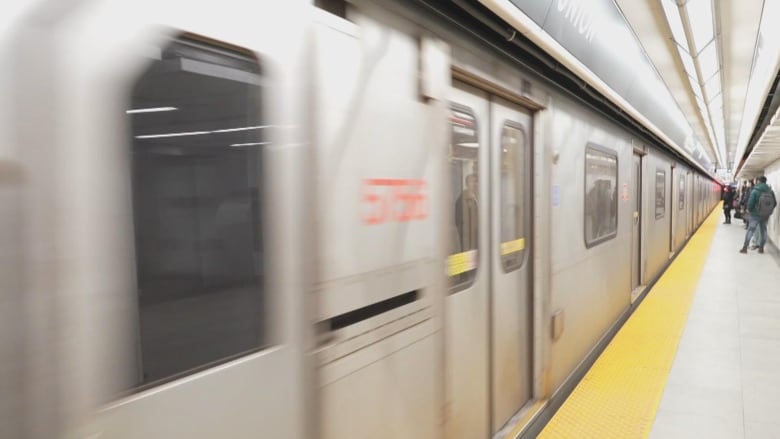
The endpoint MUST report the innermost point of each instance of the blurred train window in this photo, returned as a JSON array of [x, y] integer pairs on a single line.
[[660, 193], [681, 193], [198, 133], [464, 225], [600, 194], [513, 196], [336, 7]]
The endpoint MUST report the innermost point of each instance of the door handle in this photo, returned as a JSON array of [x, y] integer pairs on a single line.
[[636, 217]]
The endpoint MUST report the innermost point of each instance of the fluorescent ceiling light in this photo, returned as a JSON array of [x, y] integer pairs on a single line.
[[695, 87], [717, 119], [151, 110], [712, 88], [701, 20], [239, 145], [708, 61], [717, 111], [687, 61], [715, 98], [230, 130], [717, 103], [713, 140], [700, 104], [196, 133], [672, 13], [158, 136], [719, 135], [707, 123]]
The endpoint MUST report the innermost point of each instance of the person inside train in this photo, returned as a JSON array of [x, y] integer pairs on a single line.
[[612, 210], [596, 208], [760, 205], [601, 200], [466, 214], [728, 200]]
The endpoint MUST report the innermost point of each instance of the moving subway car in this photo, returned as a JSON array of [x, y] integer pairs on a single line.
[[285, 220]]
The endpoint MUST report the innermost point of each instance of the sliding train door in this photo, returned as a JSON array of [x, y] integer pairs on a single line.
[[636, 228], [488, 307], [689, 195], [509, 267], [672, 212], [467, 304]]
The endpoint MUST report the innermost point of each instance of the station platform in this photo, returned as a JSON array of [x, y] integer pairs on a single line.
[[700, 357]]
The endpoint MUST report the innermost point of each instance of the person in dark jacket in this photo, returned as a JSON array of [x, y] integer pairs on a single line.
[[467, 215], [728, 201], [756, 236], [744, 200], [755, 220]]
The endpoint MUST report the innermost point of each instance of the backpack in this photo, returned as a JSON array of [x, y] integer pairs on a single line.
[[766, 204]]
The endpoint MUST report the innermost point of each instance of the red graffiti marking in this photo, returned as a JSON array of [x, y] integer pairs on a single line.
[[391, 199]]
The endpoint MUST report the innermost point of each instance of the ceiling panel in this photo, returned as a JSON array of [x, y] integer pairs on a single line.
[[736, 30]]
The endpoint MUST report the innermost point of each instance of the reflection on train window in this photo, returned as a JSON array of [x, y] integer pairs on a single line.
[[600, 194], [660, 194], [464, 224], [513, 196], [197, 139], [681, 193]]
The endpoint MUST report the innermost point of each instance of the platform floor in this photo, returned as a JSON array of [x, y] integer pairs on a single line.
[[700, 357]]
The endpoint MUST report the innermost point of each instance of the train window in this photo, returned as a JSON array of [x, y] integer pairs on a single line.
[[660, 193], [600, 194], [681, 193], [197, 140], [513, 196], [336, 7], [464, 165]]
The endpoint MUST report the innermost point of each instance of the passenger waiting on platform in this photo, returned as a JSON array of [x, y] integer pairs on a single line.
[[744, 200], [761, 203], [728, 200], [754, 244]]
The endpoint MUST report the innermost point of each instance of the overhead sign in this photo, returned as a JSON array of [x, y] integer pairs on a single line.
[[597, 34]]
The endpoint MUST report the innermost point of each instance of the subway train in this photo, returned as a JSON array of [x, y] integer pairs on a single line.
[[311, 220]]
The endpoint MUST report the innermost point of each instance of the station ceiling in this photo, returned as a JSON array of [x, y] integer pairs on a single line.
[[713, 63], [719, 59]]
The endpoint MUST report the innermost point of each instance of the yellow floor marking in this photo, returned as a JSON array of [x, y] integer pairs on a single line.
[[619, 395]]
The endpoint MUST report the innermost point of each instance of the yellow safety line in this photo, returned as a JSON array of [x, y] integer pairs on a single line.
[[619, 396]]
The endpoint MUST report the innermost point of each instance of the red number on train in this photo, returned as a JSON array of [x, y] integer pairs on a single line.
[[389, 199]]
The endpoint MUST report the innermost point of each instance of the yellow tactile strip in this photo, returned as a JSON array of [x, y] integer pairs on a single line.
[[619, 395]]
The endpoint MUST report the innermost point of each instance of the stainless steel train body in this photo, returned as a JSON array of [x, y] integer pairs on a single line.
[[305, 225]]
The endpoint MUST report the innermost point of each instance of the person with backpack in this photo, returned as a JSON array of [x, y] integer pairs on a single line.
[[756, 236], [760, 205]]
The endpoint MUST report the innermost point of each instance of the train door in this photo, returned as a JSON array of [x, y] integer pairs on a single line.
[[636, 227], [672, 215], [467, 302], [690, 203], [488, 308], [185, 286], [682, 218], [510, 274]]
